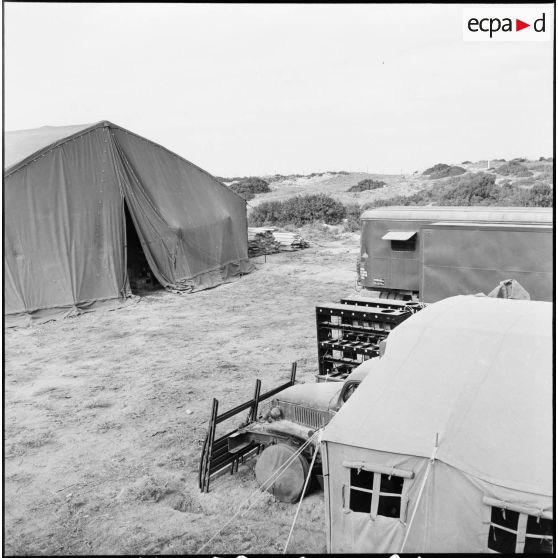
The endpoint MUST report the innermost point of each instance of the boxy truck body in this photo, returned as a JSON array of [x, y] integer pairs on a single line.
[[431, 253]]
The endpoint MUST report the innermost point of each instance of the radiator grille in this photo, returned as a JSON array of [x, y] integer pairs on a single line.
[[305, 416]]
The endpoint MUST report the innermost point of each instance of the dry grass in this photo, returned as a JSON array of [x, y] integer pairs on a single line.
[[27, 442]]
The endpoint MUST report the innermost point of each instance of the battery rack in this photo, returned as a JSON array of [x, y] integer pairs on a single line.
[[349, 332]]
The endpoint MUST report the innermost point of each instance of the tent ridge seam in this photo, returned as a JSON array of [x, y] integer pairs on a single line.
[[51, 147], [114, 126]]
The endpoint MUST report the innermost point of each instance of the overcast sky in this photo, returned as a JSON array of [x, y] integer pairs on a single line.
[[260, 89]]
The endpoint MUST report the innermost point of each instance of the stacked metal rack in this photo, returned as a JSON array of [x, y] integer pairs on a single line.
[[350, 332]]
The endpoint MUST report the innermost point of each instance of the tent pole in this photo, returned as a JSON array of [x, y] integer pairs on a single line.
[[430, 463]]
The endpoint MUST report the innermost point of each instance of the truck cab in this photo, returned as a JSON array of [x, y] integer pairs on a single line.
[[289, 423]]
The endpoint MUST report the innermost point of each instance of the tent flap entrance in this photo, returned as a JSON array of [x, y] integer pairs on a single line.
[[139, 272]]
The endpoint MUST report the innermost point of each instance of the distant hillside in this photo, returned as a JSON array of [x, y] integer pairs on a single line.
[[338, 186], [511, 182], [517, 183]]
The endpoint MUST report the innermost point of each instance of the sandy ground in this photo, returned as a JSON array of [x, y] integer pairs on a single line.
[[101, 455]]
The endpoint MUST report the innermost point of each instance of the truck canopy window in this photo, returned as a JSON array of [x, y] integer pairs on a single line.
[[402, 241], [399, 235], [403, 245]]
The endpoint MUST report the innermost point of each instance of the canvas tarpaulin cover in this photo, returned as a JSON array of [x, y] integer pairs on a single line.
[[473, 374], [65, 191]]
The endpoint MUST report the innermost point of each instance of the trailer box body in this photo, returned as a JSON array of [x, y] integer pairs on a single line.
[[468, 258], [430, 253]]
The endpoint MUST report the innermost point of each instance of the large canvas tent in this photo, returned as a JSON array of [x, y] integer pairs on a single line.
[[67, 194], [446, 446]]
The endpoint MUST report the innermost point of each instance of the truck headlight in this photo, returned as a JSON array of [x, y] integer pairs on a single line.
[[275, 413]]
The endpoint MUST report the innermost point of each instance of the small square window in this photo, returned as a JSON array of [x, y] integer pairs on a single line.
[[389, 506], [376, 493], [360, 501], [538, 526], [513, 532], [362, 479], [541, 542], [391, 484], [505, 518], [537, 546], [501, 540]]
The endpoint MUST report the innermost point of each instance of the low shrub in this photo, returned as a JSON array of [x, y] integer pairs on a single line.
[[442, 170], [249, 187], [366, 184], [525, 182], [546, 169], [299, 210], [451, 171], [514, 168], [267, 213], [466, 163], [474, 190], [418, 198], [540, 195], [353, 212], [436, 168]]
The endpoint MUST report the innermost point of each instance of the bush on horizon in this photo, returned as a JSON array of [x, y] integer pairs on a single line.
[[441, 170], [249, 187], [366, 184], [478, 189], [299, 210], [514, 168]]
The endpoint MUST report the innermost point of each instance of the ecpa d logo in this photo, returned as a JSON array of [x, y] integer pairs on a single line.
[[507, 24]]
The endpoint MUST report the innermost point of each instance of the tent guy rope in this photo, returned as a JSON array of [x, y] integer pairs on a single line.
[[304, 489], [430, 463]]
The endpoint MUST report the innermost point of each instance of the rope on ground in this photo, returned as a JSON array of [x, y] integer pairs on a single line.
[[265, 485], [303, 493]]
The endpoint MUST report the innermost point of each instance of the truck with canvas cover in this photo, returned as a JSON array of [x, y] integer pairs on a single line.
[[431, 253]]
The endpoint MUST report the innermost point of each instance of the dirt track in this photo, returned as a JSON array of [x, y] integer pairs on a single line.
[[101, 453]]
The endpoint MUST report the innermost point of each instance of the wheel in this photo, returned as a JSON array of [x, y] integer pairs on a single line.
[[288, 486]]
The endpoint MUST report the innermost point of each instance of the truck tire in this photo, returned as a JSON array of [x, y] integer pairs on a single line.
[[288, 486]]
